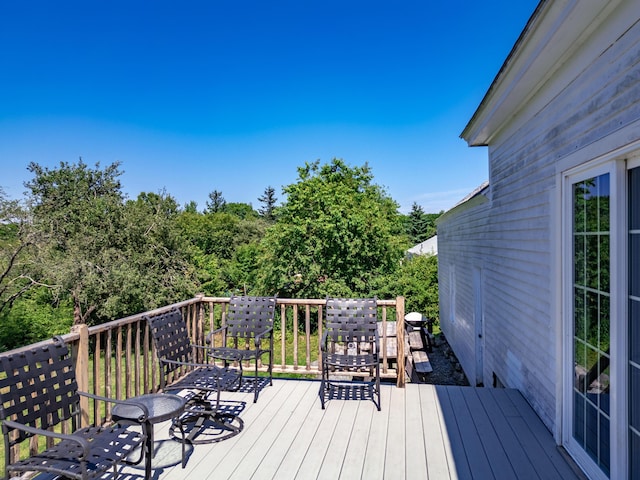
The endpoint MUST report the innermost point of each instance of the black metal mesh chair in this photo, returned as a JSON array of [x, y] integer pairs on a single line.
[[247, 335], [350, 343], [203, 382], [38, 392]]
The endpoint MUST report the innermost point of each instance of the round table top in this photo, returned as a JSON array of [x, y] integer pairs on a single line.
[[161, 407]]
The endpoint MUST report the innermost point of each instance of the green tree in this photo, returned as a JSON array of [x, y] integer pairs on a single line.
[[420, 226], [240, 210], [268, 200], [78, 210], [215, 239], [157, 269], [108, 258], [17, 241], [417, 224], [335, 233], [216, 202], [35, 316], [417, 281], [191, 207]]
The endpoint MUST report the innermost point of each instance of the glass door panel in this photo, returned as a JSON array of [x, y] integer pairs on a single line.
[[591, 317]]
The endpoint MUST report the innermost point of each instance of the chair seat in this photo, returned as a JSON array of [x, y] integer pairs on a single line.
[[350, 362], [108, 445], [208, 378]]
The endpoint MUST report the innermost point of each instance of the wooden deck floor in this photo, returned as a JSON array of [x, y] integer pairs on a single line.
[[423, 431]]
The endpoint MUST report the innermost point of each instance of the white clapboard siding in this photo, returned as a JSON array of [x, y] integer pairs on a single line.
[[511, 237]]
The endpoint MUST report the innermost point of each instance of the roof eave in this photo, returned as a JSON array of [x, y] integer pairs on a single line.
[[553, 33]]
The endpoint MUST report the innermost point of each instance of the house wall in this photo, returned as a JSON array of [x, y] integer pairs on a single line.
[[590, 106]]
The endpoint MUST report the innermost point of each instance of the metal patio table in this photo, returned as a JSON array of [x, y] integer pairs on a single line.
[[161, 407]]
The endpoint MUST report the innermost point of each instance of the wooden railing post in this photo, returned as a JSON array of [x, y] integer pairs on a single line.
[[81, 359], [400, 339], [200, 323]]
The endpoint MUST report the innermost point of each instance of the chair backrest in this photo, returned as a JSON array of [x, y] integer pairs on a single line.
[[38, 388], [351, 319], [249, 316], [171, 339]]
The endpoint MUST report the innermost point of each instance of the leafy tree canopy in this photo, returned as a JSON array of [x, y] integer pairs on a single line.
[[335, 233], [240, 210], [109, 258], [17, 241]]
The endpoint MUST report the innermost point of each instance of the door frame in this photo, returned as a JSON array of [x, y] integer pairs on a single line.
[[616, 168]]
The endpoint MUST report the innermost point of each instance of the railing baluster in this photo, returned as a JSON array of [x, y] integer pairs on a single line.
[[146, 360], [118, 363], [295, 336], [307, 333], [385, 365], [320, 324], [400, 335], [127, 365], [283, 335], [96, 378], [108, 357]]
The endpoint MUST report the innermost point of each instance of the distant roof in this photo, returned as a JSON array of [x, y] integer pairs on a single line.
[[479, 190], [428, 247]]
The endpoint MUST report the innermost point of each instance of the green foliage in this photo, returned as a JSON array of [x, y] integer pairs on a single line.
[[216, 202], [241, 210], [79, 211], [417, 281], [153, 265], [111, 258], [268, 200], [420, 226], [334, 235], [218, 245], [17, 241], [78, 251], [34, 317]]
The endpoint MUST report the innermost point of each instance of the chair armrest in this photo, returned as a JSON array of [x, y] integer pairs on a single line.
[[258, 337], [84, 444], [142, 418], [214, 332], [323, 342], [189, 364]]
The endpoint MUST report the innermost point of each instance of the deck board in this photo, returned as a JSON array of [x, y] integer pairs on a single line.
[[415, 453], [496, 455], [522, 466], [436, 440], [373, 467], [422, 432], [458, 462], [358, 441]]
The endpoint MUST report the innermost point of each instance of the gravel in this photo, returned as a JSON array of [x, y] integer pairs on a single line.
[[446, 368]]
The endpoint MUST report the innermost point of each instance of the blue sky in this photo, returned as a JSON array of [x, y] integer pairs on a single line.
[[196, 96]]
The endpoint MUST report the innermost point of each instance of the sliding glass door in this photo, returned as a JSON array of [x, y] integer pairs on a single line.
[[602, 318]]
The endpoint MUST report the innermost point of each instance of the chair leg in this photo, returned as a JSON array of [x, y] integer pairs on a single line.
[[377, 392], [255, 384], [322, 391], [150, 450]]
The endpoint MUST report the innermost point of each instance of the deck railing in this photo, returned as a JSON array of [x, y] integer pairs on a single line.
[[117, 359]]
